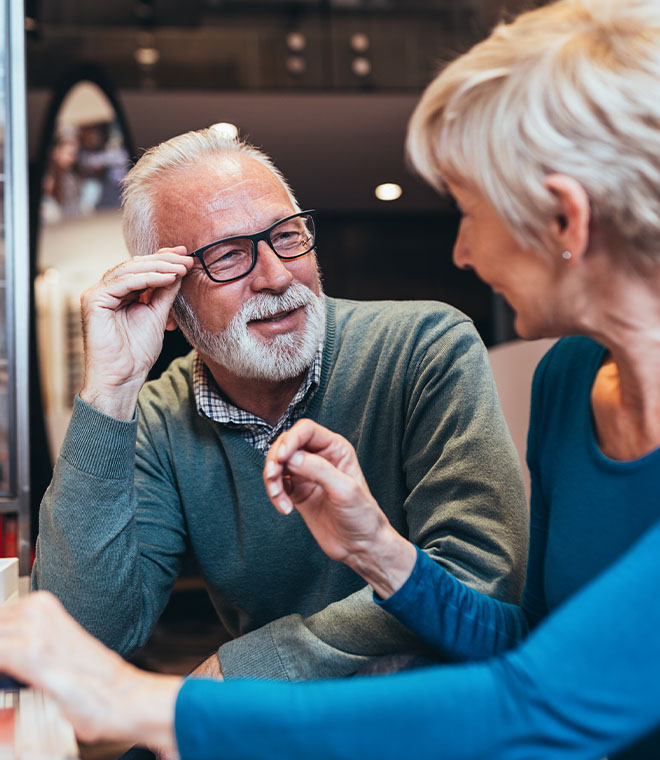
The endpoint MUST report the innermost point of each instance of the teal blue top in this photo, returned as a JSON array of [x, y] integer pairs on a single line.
[[583, 685]]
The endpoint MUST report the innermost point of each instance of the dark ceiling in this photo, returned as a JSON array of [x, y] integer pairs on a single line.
[[234, 44], [286, 73]]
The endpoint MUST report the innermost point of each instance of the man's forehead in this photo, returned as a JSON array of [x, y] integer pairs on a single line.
[[227, 181], [229, 187], [243, 192]]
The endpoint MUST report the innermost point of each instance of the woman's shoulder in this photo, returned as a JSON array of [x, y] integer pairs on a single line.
[[563, 379], [576, 354]]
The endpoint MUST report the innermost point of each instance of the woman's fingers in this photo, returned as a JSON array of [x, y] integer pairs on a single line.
[[309, 435], [312, 452], [305, 473], [316, 469]]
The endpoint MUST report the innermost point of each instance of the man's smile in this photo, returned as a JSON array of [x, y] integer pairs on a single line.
[[278, 316], [280, 322]]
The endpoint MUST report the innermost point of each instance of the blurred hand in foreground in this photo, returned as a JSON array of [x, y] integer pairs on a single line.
[[104, 697]]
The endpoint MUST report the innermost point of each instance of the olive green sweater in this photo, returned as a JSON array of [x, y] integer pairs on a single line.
[[408, 384]]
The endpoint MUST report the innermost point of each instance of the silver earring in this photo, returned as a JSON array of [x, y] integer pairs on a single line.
[[566, 255]]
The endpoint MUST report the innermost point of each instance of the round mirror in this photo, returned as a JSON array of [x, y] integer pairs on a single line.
[[79, 238]]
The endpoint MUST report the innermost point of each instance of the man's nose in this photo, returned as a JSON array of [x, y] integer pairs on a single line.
[[270, 272]]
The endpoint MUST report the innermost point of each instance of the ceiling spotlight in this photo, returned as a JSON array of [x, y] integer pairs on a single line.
[[361, 67], [359, 42], [230, 131], [296, 41], [147, 56], [388, 191], [296, 65]]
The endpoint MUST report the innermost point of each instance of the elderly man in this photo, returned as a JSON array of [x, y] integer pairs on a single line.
[[408, 384]]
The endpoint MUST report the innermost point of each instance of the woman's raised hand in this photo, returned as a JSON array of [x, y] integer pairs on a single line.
[[317, 472]]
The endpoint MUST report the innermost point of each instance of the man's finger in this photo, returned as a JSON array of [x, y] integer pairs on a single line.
[[133, 283], [167, 261], [145, 296]]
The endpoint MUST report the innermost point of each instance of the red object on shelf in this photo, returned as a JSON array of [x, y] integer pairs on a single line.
[[7, 725], [10, 536]]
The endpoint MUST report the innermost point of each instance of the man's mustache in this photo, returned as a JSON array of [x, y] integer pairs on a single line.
[[266, 305]]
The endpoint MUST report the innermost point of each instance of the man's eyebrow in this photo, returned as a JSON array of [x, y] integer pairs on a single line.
[[243, 233]]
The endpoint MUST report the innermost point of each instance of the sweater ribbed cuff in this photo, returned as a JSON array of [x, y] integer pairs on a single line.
[[99, 445], [253, 655]]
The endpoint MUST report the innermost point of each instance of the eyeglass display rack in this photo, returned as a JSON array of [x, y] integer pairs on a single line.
[[14, 289]]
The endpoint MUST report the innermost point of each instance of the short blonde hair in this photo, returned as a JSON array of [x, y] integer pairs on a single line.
[[160, 163], [572, 87]]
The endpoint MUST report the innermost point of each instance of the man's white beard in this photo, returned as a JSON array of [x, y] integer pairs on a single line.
[[236, 349]]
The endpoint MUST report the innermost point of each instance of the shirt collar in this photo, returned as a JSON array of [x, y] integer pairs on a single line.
[[211, 403]]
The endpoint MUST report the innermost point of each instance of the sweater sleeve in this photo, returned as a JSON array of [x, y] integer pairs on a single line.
[[572, 690], [336, 641], [464, 624], [465, 506], [107, 560], [464, 603]]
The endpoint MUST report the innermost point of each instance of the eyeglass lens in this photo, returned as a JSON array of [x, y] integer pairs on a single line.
[[232, 258]]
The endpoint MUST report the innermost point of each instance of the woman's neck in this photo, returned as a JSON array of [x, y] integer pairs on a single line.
[[620, 308], [626, 392]]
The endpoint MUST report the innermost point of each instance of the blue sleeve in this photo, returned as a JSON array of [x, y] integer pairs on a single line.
[[573, 690], [457, 621]]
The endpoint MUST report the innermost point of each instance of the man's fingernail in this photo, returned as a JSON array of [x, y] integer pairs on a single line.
[[273, 489], [270, 469], [296, 459], [285, 506]]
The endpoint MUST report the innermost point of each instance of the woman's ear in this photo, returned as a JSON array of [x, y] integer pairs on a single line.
[[570, 228]]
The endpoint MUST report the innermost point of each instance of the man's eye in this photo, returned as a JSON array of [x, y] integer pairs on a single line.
[[288, 239], [224, 258], [221, 256]]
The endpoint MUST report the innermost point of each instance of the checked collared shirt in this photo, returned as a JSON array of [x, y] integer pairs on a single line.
[[257, 432]]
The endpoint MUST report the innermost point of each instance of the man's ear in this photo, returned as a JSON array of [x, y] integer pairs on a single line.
[[570, 228], [171, 323]]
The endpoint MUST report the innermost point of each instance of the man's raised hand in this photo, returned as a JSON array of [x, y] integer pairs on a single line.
[[124, 317]]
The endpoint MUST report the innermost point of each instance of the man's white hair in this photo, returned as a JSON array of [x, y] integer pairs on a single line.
[[160, 163], [572, 88]]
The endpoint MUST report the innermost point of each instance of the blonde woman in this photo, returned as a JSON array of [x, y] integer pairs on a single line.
[[548, 136]]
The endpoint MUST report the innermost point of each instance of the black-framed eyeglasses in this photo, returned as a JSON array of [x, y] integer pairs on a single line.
[[233, 257]]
